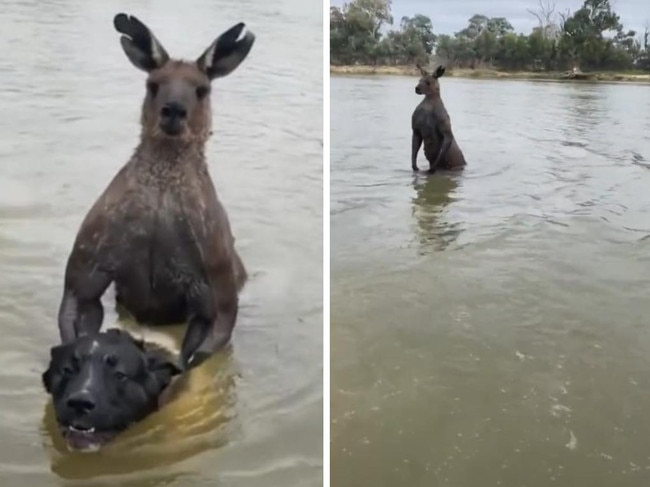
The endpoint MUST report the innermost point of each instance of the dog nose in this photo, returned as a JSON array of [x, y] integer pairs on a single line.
[[173, 110], [81, 402]]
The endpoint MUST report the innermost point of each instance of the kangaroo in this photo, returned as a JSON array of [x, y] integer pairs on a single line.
[[431, 124], [158, 231]]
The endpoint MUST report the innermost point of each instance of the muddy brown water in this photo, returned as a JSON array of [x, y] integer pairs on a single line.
[[71, 99], [491, 328]]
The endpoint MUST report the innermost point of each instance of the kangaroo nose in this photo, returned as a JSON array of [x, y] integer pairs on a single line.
[[173, 110], [81, 402]]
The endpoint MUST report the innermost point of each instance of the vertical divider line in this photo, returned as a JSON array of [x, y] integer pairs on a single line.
[[326, 246]]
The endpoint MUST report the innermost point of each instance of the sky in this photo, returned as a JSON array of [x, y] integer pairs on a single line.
[[449, 16]]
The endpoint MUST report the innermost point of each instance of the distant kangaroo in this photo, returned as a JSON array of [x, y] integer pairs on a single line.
[[159, 232], [431, 124]]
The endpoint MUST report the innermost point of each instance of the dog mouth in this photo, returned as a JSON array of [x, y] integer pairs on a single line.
[[85, 439]]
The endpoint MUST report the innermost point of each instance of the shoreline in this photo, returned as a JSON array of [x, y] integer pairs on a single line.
[[593, 77]]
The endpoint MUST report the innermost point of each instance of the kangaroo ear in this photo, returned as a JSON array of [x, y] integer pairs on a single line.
[[139, 44], [226, 52], [423, 71], [439, 72]]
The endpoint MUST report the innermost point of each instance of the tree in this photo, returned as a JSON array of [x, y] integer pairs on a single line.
[[370, 15], [643, 62], [420, 28], [446, 49], [513, 52], [355, 30], [499, 26], [547, 18], [543, 40], [591, 37], [582, 37], [477, 24]]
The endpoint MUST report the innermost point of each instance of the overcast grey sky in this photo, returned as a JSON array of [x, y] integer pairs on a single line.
[[449, 16]]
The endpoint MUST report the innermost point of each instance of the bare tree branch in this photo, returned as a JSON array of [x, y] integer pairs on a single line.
[[545, 15]]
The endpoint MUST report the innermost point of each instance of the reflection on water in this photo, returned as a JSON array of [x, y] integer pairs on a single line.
[[249, 417], [433, 193], [490, 328]]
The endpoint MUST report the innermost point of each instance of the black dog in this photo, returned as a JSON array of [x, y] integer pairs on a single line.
[[102, 383]]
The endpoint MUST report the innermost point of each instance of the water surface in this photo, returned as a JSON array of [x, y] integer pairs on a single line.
[[71, 99], [491, 328]]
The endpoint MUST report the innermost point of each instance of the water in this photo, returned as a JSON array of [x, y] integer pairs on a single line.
[[491, 328], [71, 102]]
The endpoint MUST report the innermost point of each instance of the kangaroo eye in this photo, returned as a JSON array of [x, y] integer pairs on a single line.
[[202, 91], [152, 87]]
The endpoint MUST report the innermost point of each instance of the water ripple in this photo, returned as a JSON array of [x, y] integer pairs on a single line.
[[496, 318], [74, 123]]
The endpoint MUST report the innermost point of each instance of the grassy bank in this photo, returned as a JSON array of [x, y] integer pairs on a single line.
[[632, 77]]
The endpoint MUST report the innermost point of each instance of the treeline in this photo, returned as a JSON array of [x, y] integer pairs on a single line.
[[591, 38]]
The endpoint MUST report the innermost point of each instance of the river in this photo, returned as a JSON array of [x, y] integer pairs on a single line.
[[491, 328], [249, 417]]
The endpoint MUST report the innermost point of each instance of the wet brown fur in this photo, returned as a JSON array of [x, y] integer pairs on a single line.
[[159, 231], [431, 127]]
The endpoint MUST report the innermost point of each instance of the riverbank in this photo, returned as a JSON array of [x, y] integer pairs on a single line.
[[628, 77]]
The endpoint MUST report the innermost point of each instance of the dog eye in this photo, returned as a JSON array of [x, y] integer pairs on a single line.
[[202, 91], [152, 87], [121, 376]]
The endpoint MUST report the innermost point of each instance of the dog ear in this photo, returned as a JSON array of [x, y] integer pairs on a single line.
[[57, 354], [161, 368], [46, 379], [119, 333]]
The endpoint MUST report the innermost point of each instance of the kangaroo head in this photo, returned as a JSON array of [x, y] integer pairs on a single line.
[[428, 84], [177, 102]]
